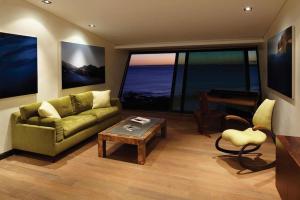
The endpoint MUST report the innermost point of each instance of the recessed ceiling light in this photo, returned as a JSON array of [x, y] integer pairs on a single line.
[[248, 9], [46, 1], [92, 25]]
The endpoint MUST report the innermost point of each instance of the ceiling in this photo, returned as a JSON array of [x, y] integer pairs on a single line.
[[127, 22]]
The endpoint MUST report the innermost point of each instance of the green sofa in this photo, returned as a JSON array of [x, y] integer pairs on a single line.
[[49, 136]]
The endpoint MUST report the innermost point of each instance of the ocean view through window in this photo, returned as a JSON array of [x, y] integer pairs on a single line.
[[173, 81], [208, 70], [148, 81]]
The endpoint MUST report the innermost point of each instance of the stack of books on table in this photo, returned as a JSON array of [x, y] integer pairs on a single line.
[[141, 120]]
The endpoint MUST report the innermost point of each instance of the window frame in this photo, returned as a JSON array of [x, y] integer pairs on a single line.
[[188, 51]]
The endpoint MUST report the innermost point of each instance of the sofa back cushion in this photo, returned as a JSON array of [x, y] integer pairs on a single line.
[[29, 110], [63, 106], [82, 101]]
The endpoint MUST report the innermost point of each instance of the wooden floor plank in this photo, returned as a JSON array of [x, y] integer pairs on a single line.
[[183, 166]]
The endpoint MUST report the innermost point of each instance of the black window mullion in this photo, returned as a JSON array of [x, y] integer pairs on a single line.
[[258, 69], [247, 70], [124, 76], [174, 81], [184, 81]]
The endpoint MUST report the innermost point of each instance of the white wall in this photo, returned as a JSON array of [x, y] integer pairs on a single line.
[[20, 17], [287, 111]]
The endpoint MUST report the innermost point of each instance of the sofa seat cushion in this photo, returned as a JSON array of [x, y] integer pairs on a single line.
[[102, 113], [76, 123], [48, 122], [42, 121]]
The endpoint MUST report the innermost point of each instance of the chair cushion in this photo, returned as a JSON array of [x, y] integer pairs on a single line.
[[102, 113], [82, 101], [241, 138], [76, 123], [263, 115], [63, 106]]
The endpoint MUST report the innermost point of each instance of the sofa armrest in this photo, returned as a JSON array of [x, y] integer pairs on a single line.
[[45, 122], [238, 119], [236, 122], [39, 139], [116, 102], [39, 122], [16, 118]]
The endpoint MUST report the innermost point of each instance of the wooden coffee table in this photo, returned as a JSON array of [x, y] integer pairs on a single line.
[[139, 137]]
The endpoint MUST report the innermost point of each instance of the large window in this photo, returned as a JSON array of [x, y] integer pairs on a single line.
[[173, 81], [148, 81], [253, 71], [221, 70]]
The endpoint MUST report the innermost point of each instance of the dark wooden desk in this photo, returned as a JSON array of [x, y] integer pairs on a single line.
[[238, 101], [288, 167], [213, 119]]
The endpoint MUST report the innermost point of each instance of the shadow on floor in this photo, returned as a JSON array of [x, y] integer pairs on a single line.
[[128, 153], [56, 162], [233, 165], [115, 151]]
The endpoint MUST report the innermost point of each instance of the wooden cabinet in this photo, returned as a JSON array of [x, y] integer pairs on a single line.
[[288, 167]]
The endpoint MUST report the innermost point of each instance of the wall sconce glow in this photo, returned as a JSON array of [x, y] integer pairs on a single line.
[[46, 1], [92, 25], [248, 9]]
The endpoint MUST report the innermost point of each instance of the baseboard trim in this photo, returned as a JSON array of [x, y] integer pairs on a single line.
[[7, 154]]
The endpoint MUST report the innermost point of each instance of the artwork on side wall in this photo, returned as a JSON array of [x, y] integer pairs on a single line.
[[82, 65], [280, 62], [18, 64]]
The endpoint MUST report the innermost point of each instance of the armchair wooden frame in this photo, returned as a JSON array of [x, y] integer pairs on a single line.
[[243, 125]]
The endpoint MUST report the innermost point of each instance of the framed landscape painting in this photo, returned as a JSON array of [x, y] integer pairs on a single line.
[[280, 62], [82, 65], [18, 64]]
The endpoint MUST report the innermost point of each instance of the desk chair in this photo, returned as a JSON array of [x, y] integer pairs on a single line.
[[254, 134]]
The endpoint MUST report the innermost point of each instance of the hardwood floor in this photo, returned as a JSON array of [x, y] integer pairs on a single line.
[[185, 165]]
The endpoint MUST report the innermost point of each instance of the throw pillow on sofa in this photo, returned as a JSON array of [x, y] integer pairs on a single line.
[[47, 110], [82, 101], [101, 99]]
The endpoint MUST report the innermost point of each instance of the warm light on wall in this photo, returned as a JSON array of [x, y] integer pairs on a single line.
[[248, 9], [46, 1], [77, 37]]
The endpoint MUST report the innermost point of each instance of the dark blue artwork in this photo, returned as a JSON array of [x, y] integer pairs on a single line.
[[82, 65], [18, 64], [280, 53]]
